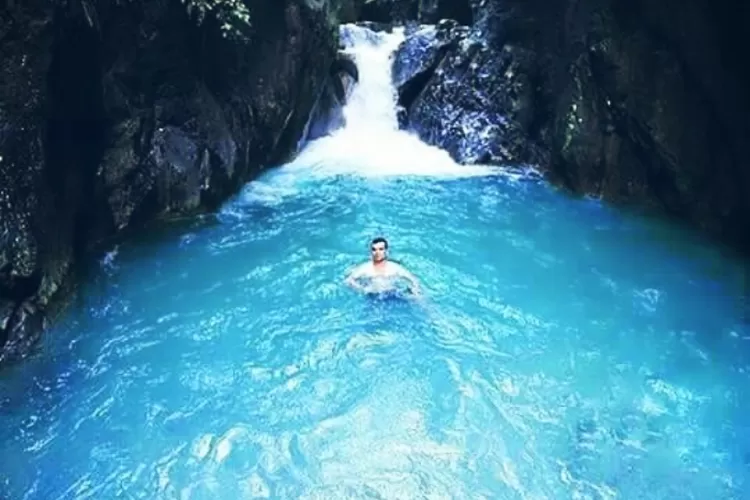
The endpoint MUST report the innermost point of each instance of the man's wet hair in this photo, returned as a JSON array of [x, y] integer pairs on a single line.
[[379, 239]]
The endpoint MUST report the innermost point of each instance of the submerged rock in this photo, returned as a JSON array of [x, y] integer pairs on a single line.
[[114, 113]]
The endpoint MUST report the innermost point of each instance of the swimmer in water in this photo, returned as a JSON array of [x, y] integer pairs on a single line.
[[381, 273]]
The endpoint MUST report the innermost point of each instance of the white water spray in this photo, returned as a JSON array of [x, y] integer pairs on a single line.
[[371, 106], [370, 143]]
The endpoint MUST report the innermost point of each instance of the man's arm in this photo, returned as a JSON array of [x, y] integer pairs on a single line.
[[413, 281], [351, 280]]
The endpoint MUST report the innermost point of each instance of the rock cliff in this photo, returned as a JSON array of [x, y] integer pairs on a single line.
[[641, 103], [113, 113]]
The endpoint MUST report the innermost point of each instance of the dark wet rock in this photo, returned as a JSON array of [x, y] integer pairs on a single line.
[[22, 324], [464, 96], [651, 111], [6, 317], [432, 11], [346, 11], [29, 246], [343, 75], [115, 113], [424, 48], [327, 115], [642, 103], [390, 12]]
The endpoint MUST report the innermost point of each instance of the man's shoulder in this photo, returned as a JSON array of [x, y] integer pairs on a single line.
[[395, 266]]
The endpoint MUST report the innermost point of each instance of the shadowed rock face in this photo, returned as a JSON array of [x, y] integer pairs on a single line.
[[388, 11], [327, 115], [113, 113], [643, 103]]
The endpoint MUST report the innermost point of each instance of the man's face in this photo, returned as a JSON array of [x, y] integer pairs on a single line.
[[378, 251]]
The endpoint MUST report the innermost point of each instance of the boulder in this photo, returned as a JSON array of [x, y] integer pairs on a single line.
[[461, 94], [327, 115]]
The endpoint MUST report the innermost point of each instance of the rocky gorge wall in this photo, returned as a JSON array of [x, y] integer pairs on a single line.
[[114, 113], [641, 103]]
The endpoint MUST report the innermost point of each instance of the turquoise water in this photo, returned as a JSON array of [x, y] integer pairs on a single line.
[[562, 349]]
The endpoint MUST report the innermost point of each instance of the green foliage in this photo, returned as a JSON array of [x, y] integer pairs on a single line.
[[233, 15]]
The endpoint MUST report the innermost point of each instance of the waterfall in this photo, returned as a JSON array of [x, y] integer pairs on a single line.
[[370, 143]]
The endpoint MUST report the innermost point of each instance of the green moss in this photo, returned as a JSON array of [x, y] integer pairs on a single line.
[[233, 15]]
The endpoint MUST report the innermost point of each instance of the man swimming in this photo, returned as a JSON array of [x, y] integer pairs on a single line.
[[381, 274]]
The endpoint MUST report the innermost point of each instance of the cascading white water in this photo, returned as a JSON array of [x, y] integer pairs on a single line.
[[372, 104], [370, 143]]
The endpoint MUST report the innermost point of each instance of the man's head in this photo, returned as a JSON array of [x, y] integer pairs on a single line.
[[378, 249]]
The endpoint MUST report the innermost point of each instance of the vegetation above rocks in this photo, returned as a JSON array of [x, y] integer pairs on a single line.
[[233, 15]]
